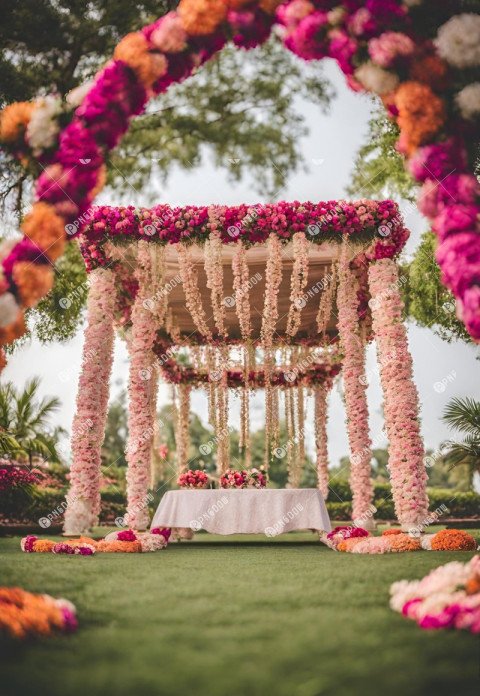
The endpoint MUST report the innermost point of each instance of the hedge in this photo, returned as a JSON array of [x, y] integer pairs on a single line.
[[50, 503]]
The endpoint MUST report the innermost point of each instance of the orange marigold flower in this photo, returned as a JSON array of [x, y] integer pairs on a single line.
[[388, 532], [3, 359], [14, 119], [201, 17], [403, 542], [421, 114], [269, 6], [47, 229], [43, 545], [33, 281], [133, 50], [431, 70], [348, 544], [238, 4], [9, 333], [453, 540], [119, 546], [472, 586]]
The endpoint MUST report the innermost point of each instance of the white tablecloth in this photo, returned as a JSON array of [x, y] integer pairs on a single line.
[[246, 511]]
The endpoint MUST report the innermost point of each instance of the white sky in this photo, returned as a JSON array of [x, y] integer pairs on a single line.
[[333, 141]]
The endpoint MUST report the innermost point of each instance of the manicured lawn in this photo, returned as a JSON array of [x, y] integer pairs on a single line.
[[217, 617]]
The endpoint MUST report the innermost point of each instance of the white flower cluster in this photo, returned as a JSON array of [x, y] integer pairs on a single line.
[[376, 79], [458, 40], [44, 125], [468, 101]]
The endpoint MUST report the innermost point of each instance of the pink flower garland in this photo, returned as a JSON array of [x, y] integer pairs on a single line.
[[88, 429], [355, 390], [141, 392], [320, 395], [406, 452]]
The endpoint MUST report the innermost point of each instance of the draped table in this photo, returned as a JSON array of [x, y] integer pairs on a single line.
[[269, 511]]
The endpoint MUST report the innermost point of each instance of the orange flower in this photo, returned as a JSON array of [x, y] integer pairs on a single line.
[[33, 281], [431, 70], [453, 540], [421, 114], [388, 532], [119, 547], [3, 359], [403, 542], [14, 119], [238, 4], [472, 586], [133, 50], [348, 544], [101, 181], [43, 545], [201, 17], [269, 6], [9, 333], [47, 229]]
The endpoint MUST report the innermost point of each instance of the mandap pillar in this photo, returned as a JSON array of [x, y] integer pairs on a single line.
[[353, 348], [142, 391], [406, 452], [88, 429], [320, 405]]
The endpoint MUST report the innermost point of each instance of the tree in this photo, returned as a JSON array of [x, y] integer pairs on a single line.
[[463, 415], [379, 169], [427, 301], [25, 418]]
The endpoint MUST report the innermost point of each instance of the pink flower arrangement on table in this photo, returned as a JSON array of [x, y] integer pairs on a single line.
[[448, 597], [193, 479], [244, 478], [234, 479]]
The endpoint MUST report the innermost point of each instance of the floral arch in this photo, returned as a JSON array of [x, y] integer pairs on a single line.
[[424, 71]]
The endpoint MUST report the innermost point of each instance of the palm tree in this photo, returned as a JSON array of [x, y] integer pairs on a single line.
[[464, 415], [24, 423]]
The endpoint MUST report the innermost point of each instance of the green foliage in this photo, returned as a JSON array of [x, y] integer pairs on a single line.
[[116, 432], [379, 169], [427, 301], [464, 415], [241, 106], [25, 417]]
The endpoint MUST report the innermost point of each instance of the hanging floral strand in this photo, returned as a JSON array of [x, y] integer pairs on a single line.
[[273, 278], [327, 299], [298, 282], [214, 272], [182, 434], [193, 298]]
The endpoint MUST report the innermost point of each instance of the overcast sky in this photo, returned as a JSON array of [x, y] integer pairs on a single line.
[[441, 370]]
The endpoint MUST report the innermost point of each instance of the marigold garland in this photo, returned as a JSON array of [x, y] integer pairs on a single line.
[[453, 540]]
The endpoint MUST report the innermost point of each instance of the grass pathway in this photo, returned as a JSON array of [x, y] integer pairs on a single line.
[[217, 618]]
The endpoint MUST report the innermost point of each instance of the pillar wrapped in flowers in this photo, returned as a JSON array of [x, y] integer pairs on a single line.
[[88, 429], [320, 404], [141, 390], [406, 451], [353, 349]]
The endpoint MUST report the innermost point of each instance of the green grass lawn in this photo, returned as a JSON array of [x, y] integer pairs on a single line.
[[229, 616]]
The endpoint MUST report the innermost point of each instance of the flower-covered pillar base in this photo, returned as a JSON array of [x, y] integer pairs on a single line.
[[142, 389], [353, 348], [320, 404], [406, 452], [88, 429]]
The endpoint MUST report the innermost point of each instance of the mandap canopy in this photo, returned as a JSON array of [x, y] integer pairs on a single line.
[[279, 297]]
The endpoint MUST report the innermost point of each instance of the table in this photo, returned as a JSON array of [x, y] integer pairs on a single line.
[[269, 511]]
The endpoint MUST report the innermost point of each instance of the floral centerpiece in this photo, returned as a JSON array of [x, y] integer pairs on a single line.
[[234, 479], [448, 597], [257, 478], [193, 479]]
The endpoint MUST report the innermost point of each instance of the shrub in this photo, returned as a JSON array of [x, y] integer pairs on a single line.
[[339, 511]]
